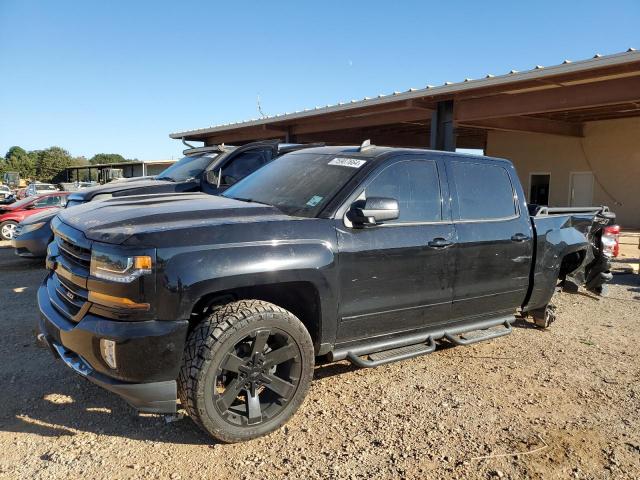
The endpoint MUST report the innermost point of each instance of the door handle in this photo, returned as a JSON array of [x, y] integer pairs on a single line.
[[439, 242], [519, 237]]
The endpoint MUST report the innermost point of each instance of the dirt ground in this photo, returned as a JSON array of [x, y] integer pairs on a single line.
[[568, 399]]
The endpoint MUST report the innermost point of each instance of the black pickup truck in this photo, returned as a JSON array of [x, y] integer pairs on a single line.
[[210, 170], [368, 254]]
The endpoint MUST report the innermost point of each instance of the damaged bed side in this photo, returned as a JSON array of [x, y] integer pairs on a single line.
[[573, 247]]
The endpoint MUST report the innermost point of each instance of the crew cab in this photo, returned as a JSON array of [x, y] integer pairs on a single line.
[[210, 169], [12, 215], [369, 254]]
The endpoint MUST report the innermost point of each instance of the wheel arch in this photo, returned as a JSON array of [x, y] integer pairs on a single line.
[[302, 298]]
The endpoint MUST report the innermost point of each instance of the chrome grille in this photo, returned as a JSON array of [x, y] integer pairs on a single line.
[[68, 288], [74, 253]]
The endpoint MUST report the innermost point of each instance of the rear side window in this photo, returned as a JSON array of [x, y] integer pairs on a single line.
[[483, 191], [414, 184]]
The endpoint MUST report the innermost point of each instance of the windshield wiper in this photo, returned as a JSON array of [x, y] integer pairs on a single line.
[[166, 178], [250, 200]]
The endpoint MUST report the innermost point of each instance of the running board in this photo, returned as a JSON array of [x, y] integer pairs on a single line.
[[475, 336], [416, 344], [394, 355]]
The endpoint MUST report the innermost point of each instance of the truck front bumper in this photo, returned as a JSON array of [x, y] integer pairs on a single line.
[[148, 354]]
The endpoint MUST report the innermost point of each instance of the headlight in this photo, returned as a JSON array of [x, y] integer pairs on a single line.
[[119, 268], [30, 227]]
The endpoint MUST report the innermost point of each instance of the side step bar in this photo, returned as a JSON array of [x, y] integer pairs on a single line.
[[476, 336], [394, 355], [416, 344]]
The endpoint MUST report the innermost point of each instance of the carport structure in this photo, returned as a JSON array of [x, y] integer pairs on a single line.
[[572, 130]]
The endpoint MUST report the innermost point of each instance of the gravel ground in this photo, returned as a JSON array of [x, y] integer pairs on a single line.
[[569, 397]]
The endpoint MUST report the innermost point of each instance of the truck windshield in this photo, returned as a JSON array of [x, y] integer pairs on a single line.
[[188, 167], [299, 184]]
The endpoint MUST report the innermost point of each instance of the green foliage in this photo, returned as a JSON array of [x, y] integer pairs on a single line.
[[51, 163], [101, 158], [48, 165], [21, 161]]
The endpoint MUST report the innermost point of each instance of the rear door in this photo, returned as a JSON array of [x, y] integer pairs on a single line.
[[391, 279], [494, 248]]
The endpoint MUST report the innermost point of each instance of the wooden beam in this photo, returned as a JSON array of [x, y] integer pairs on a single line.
[[558, 99], [362, 121], [274, 128], [527, 124]]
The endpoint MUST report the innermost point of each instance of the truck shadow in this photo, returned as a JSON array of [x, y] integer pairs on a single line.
[[95, 411], [76, 406]]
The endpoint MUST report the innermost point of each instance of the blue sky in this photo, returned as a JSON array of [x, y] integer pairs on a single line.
[[118, 76]]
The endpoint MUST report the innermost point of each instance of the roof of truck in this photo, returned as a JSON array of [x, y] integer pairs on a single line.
[[375, 151]]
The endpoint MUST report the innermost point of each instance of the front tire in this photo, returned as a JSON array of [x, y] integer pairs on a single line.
[[246, 370], [8, 229]]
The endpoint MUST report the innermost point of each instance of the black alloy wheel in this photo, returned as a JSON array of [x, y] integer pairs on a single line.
[[246, 370]]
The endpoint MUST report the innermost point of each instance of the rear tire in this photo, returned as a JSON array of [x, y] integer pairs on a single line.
[[544, 317], [246, 370]]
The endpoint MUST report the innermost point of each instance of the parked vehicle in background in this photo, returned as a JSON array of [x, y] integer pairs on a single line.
[[37, 188], [11, 179], [368, 254], [75, 186], [33, 234], [198, 171], [15, 213], [5, 193]]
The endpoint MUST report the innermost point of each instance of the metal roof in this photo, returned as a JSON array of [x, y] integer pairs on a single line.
[[536, 73], [121, 164]]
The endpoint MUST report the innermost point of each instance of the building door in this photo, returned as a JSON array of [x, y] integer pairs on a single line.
[[581, 189], [539, 189]]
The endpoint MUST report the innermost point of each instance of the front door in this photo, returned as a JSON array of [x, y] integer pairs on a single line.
[[391, 279], [581, 189]]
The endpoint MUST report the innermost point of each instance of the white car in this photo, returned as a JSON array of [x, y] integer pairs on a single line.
[[5, 192], [37, 187]]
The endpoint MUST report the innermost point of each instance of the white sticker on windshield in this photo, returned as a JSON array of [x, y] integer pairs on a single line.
[[313, 201], [348, 162]]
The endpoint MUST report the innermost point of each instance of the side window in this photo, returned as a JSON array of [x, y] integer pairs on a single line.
[[43, 202], [244, 164], [483, 191], [414, 184]]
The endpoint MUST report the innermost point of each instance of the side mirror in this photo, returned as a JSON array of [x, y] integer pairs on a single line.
[[373, 210], [211, 177]]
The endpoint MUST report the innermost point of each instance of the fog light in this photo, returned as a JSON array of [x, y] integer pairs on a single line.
[[108, 351]]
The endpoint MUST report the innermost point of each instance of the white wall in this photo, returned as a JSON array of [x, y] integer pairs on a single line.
[[610, 149]]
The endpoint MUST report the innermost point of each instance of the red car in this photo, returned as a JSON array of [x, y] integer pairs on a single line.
[[13, 214]]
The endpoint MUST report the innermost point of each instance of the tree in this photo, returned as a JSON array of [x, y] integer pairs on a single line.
[[107, 158], [18, 160], [51, 163]]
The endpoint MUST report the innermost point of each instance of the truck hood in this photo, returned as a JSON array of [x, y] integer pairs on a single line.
[[117, 219], [129, 187]]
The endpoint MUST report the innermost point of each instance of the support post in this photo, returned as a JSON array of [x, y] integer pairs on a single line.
[[289, 136], [443, 135]]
